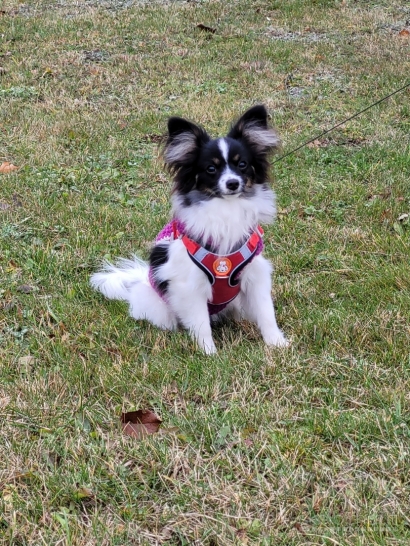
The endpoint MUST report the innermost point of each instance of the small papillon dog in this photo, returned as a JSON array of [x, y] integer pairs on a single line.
[[207, 262]]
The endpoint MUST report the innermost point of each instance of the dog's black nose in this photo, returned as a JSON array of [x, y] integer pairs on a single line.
[[232, 185]]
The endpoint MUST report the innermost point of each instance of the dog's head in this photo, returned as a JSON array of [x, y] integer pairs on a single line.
[[228, 167]]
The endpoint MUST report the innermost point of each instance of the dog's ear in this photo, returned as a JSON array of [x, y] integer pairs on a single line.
[[254, 129], [183, 142]]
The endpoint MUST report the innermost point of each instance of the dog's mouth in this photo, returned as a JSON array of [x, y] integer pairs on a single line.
[[233, 193]]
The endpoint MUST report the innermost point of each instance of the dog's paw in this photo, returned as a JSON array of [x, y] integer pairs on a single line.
[[208, 346], [276, 339]]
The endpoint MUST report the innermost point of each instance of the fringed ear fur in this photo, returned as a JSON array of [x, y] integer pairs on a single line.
[[184, 139], [253, 127]]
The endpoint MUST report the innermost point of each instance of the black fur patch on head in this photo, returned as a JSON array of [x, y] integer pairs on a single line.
[[198, 163]]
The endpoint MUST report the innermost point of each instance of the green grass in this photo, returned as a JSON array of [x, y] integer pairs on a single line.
[[305, 446]]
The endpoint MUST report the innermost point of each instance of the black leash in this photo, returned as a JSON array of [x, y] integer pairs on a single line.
[[341, 123]]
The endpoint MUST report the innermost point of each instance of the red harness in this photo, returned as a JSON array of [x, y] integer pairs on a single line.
[[222, 270]]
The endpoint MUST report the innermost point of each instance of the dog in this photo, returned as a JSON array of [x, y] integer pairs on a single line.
[[207, 262]]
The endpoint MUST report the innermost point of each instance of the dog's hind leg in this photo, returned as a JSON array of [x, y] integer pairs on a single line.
[[128, 281], [146, 304]]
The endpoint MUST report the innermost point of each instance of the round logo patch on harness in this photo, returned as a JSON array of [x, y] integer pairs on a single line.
[[222, 267]]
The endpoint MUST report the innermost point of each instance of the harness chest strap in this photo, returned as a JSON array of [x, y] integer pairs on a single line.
[[222, 270]]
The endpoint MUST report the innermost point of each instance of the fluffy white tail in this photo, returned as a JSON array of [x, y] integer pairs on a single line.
[[116, 281], [128, 280]]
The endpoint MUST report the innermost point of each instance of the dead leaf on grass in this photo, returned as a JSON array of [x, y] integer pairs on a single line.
[[404, 33], [140, 423], [26, 289], [299, 528], [205, 28], [385, 215], [7, 167]]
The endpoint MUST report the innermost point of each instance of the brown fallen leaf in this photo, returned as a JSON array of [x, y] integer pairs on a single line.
[[386, 215], [140, 423], [7, 167], [25, 288], [405, 33], [299, 528], [205, 28]]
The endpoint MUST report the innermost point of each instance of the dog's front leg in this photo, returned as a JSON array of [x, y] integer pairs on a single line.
[[257, 303], [188, 294], [195, 318]]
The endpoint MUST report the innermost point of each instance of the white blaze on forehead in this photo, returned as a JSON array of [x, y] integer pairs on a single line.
[[227, 174], [223, 146]]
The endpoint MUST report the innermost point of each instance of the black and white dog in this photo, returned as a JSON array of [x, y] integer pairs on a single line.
[[207, 261]]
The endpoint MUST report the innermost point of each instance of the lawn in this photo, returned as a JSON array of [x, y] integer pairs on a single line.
[[308, 445]]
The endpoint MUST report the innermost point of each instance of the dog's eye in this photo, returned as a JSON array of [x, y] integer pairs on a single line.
[[242, 165], [211, 169]]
